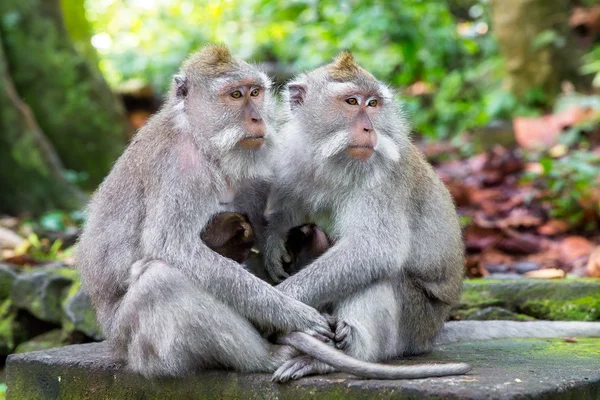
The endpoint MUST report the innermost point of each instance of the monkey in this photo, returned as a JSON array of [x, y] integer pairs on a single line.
[[231, 235], [168, 304], [163, 298], [344, 156]]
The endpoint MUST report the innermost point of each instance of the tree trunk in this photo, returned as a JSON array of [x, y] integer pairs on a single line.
[[535, 61], [31, 177], [69, 97]]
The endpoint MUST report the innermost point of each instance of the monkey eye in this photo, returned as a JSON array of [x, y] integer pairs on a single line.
[[352, 101], [372, 103], [255, 93], [236, 95]]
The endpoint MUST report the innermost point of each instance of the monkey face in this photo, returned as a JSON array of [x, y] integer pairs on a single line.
[[228, 107], [350, 120]]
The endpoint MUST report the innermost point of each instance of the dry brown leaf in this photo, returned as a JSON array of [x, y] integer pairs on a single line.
[[543, 132], [554, 227], [478, 238], [593, 265], [9, 239], [549, 273], [575, 247], [570, 339]]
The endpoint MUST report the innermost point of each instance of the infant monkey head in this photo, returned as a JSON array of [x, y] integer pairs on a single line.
[[304, 244], [228, 107], [231, 235]]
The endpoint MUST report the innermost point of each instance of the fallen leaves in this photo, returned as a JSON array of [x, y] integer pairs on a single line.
[[543, 132], [509, 229]]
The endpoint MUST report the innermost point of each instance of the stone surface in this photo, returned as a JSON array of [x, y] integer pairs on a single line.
[[559, 299], [502, 369], [80, 315], [41, 292]]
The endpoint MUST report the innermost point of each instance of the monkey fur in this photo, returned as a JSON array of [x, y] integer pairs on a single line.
[[344, 156], [167, 303], [163, 298]]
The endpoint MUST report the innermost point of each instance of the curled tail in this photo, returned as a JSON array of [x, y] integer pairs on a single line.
[[466, 331], [345, 363]]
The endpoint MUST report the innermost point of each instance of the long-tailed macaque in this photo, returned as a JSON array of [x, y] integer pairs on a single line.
[[167, 303], [344, 157]]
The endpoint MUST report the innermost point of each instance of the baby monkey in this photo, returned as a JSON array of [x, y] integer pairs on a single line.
[[231, 235]]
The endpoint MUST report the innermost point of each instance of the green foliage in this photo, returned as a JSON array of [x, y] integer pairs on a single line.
[[592, 65], [569, 185], [402, 43]]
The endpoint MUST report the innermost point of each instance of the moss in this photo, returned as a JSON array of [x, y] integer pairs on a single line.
[[574, 299], [69, 97], [49, 340], [583, 309]]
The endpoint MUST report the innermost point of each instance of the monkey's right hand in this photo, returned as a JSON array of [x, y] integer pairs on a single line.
[[316, 324], [275, 256]]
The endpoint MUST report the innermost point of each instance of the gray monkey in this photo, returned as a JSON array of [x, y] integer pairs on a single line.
[[167, 303], [344, 157]]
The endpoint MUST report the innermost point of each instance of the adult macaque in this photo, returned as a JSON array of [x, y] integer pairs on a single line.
[[163, 298], [395, 270], [167, 303]]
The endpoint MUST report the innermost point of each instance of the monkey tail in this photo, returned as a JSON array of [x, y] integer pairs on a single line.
[[345, 363], [466, 331]]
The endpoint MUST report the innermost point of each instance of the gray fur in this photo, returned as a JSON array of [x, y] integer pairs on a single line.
[[396, 267], [166, 302], [397, 264]]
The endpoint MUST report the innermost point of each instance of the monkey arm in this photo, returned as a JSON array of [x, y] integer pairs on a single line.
[[280, 221], [171, 233], [350, 265]]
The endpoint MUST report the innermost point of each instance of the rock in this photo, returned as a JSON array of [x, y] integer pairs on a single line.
[[557, 299], [523, 267], [495, 268], [7, 277], [42, 291], [80, 315], [7, 327], [502, 369], [499, 275], [494, 313], [49, 340], [548, 273]]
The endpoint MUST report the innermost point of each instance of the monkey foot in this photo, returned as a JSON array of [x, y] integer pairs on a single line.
[[299, 367], [343, 335]]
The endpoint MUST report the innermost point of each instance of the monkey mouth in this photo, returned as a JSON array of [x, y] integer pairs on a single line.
[[252, 142], [361, 153]]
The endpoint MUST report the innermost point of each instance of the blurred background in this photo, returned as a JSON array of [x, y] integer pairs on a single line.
[[504, 96]]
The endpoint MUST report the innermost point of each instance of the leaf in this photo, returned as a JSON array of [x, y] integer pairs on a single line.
[[593, 265], [548, 273], [547, 37], [575, 247]]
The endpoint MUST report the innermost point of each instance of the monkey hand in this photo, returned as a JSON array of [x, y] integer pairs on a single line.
[[274, 259], [317, 325]]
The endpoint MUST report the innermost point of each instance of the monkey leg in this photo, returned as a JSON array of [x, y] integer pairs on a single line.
[[368, 323], [367, 329], [168, 326]]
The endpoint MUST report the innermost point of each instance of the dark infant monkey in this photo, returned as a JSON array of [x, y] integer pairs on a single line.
[[231, 234]]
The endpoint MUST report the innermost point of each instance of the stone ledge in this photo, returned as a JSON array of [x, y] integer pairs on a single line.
[[502, 369]]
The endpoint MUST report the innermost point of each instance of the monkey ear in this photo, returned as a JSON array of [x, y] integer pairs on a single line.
[[181, 86], [297, 94]]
